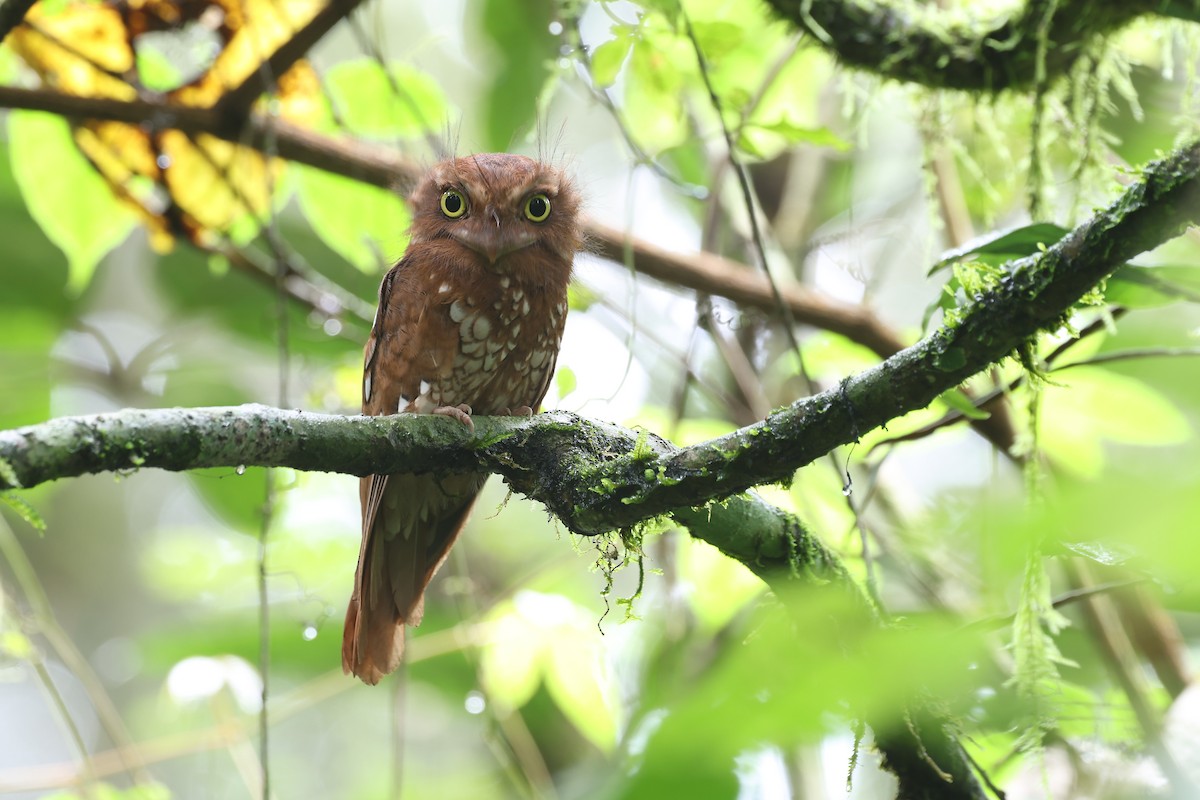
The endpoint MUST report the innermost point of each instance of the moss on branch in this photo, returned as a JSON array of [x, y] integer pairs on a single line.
[[598, 477], [944, 49]]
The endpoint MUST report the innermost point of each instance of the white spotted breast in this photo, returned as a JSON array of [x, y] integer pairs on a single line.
[[506, 352]]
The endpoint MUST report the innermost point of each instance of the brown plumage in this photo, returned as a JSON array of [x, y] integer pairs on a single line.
[[469, 321]]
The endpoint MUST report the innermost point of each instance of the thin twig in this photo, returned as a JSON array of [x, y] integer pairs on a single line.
[[955, 417], [1132, 353], [760, 247], [982, 773], [264, 635], [1060, 601]]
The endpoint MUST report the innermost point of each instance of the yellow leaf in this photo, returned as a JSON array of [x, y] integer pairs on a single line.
[[215, 182], [299, 95], [85, 49], [260, 28], [118, 150], [82, 50], [124, 156]]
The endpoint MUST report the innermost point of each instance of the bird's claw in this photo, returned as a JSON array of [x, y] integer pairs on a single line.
[[460, 412]]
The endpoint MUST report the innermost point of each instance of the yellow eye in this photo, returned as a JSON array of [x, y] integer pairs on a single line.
[[454, 205], [537, 208]]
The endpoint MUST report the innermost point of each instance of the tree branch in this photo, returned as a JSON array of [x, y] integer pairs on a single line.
[[947, 50], [566, 461], [597, 477], [713, 274], [234, 103], [378, 166], [12, 12], [536, 456]]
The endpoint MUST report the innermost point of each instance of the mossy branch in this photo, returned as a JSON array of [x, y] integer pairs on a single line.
[[543, 456], [943, 49], [598, 477]]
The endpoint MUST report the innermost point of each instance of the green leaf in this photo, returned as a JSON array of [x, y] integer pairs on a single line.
[[10, 64], [1148, 287], [105, 791], [1001, 246], [16, 645], [156, 71], [797, 134], [750, 148], [25, 510], [609, 56], [148, 791], [718, 37], [35, 274], [1087, 405], [564, 381], [402, 101], [704, 566], [580, 298], [71, 202], [524, 49], [536, 636], [828, 355], [364, 224], [947, 300], [753, 691], [53, 7], [689, 161], [659, 66], [1125, 409], [1140, 509], [958, 400]]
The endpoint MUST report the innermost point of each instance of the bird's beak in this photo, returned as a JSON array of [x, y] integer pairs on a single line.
[[493, 243]]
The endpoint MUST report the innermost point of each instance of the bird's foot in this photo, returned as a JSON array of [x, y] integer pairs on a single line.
[[519, 411], [461, 412]]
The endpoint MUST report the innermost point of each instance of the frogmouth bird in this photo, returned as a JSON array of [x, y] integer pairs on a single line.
[[469, 322]]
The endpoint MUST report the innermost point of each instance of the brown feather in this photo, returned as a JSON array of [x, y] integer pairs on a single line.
[[472, 314]]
